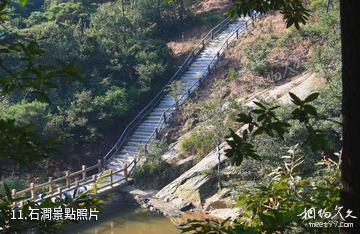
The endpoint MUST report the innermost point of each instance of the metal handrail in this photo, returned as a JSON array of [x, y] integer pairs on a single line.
[[205, 73], [129, 127]]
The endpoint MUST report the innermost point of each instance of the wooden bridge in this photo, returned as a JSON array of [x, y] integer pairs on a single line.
[[117, 165]]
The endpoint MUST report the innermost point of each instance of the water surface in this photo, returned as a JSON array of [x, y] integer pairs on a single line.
[[126, 220]]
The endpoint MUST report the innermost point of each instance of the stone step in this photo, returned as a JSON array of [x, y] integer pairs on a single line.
[[136, 142], [144, 129], [131, 148], [140, 138], [149, 125], [196, 70], [133, 143], [194, 77], [160, 109], [157, 114], [141, 134]]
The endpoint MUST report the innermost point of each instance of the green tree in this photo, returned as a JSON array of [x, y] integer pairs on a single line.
[[213, 114], [296, 13]]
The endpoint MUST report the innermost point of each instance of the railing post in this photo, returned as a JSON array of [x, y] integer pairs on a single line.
[[60, 191], [203, 43], [111, 179], [50, 184], [13, 195], [208, 68], [126, 172], [67, 178], [145, 149], [253, 22], [83, 169], [95, 186], [32, 190], [99, 165], [164, 117], [227, 43], [218, 55], [189, 93], [237, 33], [156, 133]]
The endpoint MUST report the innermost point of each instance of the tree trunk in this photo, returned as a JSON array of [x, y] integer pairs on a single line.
[[219, 166], [350, 167], [123, 16], [182, 10], [328, 5]]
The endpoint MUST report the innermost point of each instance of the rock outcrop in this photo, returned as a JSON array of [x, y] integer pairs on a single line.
[[196, 189]]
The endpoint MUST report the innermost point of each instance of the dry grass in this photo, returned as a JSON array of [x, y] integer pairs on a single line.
[[212, 5], [183, 43], [184, 217], [246, 83]]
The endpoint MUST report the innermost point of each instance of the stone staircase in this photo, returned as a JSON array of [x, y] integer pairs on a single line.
[[154, 119]]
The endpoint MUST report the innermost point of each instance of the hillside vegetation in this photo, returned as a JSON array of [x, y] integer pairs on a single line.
[[120, 51], [264, 66]]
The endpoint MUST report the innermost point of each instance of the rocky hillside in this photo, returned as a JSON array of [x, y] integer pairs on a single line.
[[264, 65], [198, 185]]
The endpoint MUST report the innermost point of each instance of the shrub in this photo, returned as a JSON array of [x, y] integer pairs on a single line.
[[256, 54], [12, 183], [153, 166], [231, 74], [198, 143], [148, 170]]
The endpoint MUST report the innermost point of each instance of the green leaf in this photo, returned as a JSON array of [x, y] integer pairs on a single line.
[[23, 2], [260, 105], [310, 110], [311, 97], [295, 99]]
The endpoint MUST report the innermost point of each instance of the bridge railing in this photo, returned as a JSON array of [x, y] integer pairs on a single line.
[[142, 114], [75, 180], [187, 93]]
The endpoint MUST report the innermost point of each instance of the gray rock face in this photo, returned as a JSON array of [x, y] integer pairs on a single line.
[[195, 184], [198, 184]]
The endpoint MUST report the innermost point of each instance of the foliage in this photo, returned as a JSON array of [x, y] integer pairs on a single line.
[[326, 55], [198, 143], [263, 120], [295, 13], [151, 164], [177, 88], [12, 183], [119, 47], [231, 74], [277, 205], [17, 141], [256, 54], [78, 199]]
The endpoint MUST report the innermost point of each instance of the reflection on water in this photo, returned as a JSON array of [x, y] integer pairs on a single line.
[[126, 220]]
